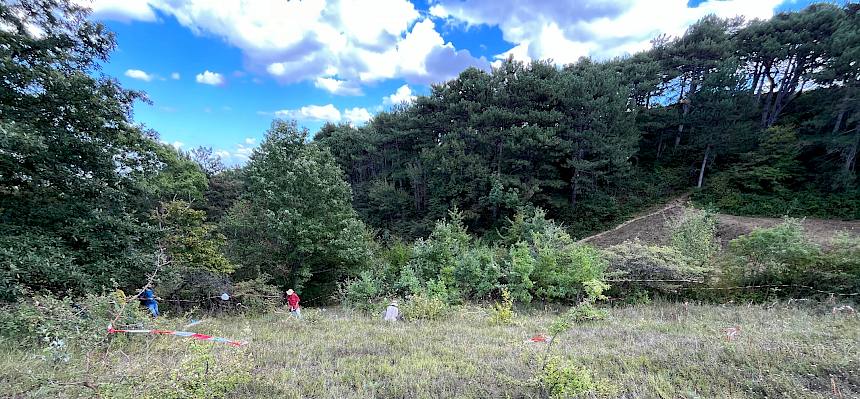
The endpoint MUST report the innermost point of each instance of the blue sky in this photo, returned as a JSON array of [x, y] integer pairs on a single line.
[[218, 72]]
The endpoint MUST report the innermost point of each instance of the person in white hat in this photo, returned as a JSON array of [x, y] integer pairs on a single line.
[[392, 312]]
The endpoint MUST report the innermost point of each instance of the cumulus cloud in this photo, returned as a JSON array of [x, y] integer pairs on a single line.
[[338, 87], [402, 95], [174, 76], [250, 140], [325, 113], [339, 45], [356, 116], [210, 78], [139, 75], [565, 31], [120, 10]]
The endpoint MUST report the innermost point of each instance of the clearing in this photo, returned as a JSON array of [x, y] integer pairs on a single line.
[[651, 228], [649, 351]]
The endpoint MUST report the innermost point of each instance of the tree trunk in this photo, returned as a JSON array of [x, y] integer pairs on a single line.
[[851, 156], [704, 164], [841, 115]]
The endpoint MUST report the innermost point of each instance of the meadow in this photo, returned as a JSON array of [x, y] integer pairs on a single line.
[[659, 350]]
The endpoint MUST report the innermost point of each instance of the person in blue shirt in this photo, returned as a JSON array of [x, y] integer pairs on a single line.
[[147, 298]]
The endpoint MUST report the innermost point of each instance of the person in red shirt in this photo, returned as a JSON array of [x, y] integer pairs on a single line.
[[293, 301]]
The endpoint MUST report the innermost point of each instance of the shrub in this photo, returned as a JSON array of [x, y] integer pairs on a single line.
[[772, 256], [503, 312], [637, 261], [694, 235], [566, 380], [207, 372], [520, 268], [362, 293], [423, 307], [477, 273], [841, 264], [257, 295], [561, 265], [57, 324]]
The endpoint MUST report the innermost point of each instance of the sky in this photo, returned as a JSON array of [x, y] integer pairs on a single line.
[[218, 72]]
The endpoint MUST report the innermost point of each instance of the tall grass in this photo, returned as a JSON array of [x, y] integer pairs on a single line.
[[659, 350]]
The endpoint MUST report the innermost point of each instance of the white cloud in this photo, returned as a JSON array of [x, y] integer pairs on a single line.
[[174, 76], [402, 95], [120, 10], [250, 140], [338, 87], [138, 74], [210, 78], [326, 112], [177, 144], [339, 45], [601, 29], [356, 116]]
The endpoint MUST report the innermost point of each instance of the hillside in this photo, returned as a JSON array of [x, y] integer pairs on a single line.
[[652, 227]]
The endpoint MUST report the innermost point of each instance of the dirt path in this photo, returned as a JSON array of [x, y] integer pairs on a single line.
[[651, 228]]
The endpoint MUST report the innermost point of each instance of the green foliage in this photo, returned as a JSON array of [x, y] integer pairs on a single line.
[[477, 272], [63, 325], [502, 313], [362, 293], [257, 295], [424, 307], [189, 241], [694, 236], [520, 266], [295, 221], [204, 373], [566, 380], [636, 261]]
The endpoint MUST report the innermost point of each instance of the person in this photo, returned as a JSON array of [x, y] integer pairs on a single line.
[[392, 313], [147, 298], [293, 301]]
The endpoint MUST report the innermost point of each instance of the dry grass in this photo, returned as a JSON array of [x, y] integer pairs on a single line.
[[654, 351]]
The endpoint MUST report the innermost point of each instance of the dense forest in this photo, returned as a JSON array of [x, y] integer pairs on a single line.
[[759, 117], [751, 117]]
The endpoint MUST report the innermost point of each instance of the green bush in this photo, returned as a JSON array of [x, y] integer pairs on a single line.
[[566, 380], [694, 235], [502, 313], [477, 272], [561, 265], [55, 324], [257, 296], [639, 262], [775, 255], [363, 293], [520, 266], [424, 307], [840, 265]]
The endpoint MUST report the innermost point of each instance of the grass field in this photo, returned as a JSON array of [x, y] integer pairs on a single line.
[[649, 351]]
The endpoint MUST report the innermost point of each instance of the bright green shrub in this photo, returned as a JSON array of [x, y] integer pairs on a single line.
[[840, 265], [773, 255], [362, 293], [477, 272], [424, 307], [694, 235], [561, 265], [519, 270], [566, 380]]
